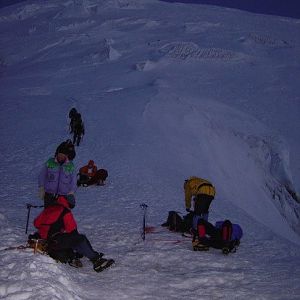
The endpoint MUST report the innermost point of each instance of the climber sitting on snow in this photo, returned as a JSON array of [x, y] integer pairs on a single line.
[[90, 175], [57, 226]]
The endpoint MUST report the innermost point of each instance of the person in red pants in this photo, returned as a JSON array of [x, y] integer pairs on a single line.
[[57, 225]]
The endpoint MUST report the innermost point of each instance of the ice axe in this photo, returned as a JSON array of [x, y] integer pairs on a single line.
[[144, 207], [29, 206]]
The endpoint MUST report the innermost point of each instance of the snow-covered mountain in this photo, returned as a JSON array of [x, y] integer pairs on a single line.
[[166, 91]]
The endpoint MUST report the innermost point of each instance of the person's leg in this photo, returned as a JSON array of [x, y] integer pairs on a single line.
[[200, 207], [74, 138], [213, 235], [83, 179], [71, 126], [199, 241], [85, 248], [226, 234], [202, 204], [95, 179], [69, 247], [78, 139]]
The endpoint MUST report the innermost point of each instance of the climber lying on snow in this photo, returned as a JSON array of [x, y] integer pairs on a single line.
[[223, 235]]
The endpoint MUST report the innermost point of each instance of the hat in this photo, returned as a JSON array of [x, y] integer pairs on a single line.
[[66, 148], [62, 148]]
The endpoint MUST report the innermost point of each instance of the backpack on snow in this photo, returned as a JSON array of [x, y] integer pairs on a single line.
[[229, 231], [51, 246], [176, 223], [55, 248], [230, 235]]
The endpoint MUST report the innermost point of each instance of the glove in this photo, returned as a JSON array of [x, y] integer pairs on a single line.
[[71, 200], [41, 193]]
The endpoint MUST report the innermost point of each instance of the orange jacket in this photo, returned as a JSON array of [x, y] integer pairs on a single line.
[[90, 169]]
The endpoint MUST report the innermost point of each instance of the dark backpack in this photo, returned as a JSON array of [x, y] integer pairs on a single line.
[[229, 231], [230, 236], [54, 249], [176, 223]]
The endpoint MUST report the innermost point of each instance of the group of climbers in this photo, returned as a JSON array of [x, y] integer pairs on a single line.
[[223, 235], [56, 225]]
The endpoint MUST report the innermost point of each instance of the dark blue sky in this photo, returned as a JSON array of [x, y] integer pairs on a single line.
[[286, 8], [8, 2]]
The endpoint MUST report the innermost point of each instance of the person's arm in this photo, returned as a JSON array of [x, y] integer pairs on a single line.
[[187, 196], [73, 183], [83, 170]]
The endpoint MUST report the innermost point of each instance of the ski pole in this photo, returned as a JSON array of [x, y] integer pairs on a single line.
[[28, 215], [144, 208], [28, 205]]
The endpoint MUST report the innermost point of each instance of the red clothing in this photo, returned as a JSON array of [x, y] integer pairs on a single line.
[[51, 214], [89, 170]]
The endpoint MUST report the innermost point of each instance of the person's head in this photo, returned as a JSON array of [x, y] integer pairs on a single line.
[[72, 112], [62, 152], [91, 163], [61, 157], [66, 148]]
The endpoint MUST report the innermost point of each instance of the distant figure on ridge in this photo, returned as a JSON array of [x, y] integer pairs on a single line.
[[72, 115], [77, 129]]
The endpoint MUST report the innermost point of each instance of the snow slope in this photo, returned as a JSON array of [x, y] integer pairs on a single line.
[[166, 91]]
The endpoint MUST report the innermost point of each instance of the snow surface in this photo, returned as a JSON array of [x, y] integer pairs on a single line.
[[166, 91]]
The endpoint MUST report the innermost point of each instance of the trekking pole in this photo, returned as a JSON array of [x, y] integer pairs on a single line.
[[144, 206], [28, 206]]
